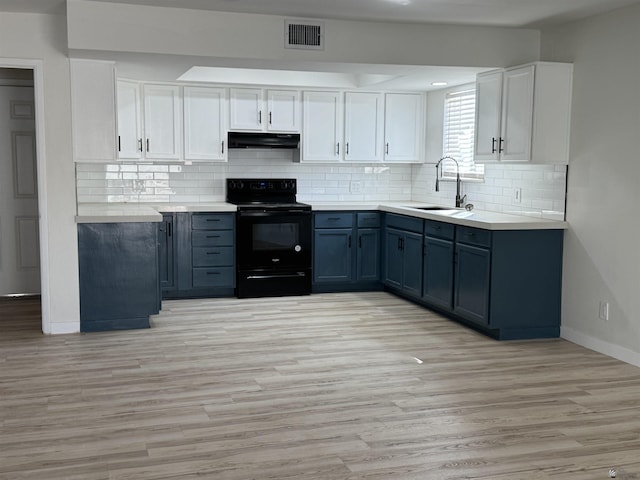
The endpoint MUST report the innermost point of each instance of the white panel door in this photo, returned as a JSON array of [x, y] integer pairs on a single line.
[[129, 121], [404, 129], [283, 111], [204, 123], [363, 127], [322, 127], [517, 114], [488, 113], [93, 110], [162, 122], [19, 222], [246, 107]]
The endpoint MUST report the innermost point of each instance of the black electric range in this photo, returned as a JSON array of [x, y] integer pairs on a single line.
[[273, 237]]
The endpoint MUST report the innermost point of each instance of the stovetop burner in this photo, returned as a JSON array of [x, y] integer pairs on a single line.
[[263, 193]]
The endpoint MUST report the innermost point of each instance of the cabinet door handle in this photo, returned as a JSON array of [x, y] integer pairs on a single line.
[[259, 117], [270, 118], [386, 149], [140, 144], [168, 229], [119, 144], [223, 146], [349, 241], [346, 149], [501, 147], [359, 241], [493, 144], [338, 148], [147, 144]]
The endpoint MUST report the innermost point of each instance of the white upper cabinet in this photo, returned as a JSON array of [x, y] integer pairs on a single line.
[[249, 111], [322, 126], [534, 105], [162, 122], [283, 110], [245, 109], [129, 121], [93, 110], [205, 123], [363, 127], [404, 127], [488, 112]]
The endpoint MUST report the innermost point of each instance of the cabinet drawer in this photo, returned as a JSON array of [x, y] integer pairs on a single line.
[[439, 229], [213, 277], [211, 221], [473, 236], [334, 220], [213, 257], [208, 238], [403, 222], [368, 219]]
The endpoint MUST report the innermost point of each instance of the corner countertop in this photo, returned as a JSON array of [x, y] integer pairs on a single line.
[[131, 212]]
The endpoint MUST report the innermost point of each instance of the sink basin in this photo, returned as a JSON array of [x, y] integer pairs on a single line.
[[431, 208]]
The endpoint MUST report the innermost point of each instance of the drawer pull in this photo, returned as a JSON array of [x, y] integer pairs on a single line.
[[213, 219], [213, 253], [333, 219], [213, 236], [213, 273]]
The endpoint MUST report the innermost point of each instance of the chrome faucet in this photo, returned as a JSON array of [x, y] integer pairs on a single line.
[[459, 200]]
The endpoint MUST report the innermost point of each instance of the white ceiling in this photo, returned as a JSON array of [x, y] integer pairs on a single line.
[[509, 13]]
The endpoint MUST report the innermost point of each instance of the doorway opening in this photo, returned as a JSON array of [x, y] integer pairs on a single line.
[[24, 289]]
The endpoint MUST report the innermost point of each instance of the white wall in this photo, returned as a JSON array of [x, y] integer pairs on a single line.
[[32, 36], [143, 29], [602, 254]]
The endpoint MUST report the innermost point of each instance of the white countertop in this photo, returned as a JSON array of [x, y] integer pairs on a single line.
[[140, 212], [131, 212]]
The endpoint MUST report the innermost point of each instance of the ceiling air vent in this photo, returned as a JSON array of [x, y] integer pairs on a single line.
[[304, 35]]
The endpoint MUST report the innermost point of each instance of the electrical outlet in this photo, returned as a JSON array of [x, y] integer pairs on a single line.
[[603, 311], [355, 186], [517, 197]]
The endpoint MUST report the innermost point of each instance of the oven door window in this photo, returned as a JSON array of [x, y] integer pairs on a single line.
[[275, 236]]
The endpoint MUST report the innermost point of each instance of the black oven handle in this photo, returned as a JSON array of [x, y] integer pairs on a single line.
[[271, 213], [267, 277]]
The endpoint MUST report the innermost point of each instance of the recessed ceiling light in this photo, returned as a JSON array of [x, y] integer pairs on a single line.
[[439, 84]]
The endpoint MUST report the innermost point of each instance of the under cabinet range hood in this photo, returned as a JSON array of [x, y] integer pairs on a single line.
[[264, 140]]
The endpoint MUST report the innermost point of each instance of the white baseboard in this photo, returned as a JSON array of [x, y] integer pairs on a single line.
[[600, 346], [60, 328]]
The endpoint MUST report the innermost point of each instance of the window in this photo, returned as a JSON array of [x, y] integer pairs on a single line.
[[458, 140]]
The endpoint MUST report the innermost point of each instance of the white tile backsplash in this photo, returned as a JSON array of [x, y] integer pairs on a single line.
[[543, 189], [543, 186], [205, 182]]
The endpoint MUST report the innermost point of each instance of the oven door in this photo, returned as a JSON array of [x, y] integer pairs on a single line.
[[273, 240]]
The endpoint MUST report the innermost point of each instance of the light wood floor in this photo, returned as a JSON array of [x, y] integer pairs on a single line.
[[334, 386]]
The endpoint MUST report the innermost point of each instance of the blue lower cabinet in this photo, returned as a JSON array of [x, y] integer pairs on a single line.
[[119, 276], [473, 279], [205, 255], [346, 251], [332, 258], [403, 260], [507, 284], [437, 272], [368, 254], [166, 252]]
